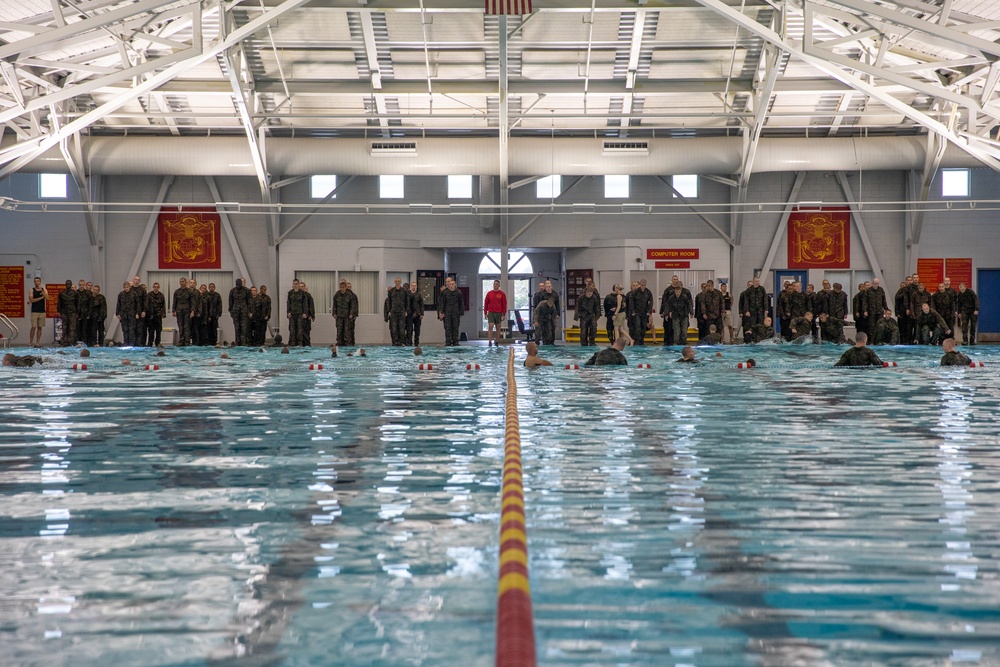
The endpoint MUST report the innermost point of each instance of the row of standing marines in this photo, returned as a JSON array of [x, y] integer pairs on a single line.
[[921, 317]]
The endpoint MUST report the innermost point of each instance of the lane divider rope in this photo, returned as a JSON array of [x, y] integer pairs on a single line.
[[515, 644]]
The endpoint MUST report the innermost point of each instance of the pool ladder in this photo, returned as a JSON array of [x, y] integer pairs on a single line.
[[14, 331]]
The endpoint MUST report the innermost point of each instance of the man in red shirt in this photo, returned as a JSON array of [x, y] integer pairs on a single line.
[[494, 310]]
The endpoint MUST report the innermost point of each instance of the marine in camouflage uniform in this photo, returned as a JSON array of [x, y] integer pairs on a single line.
[[414, 315], [182, 309], [875, 305], [156, 310], [397, 305], [295, 308], [640, 307], [66, 303], [676, 309], [98, 315], [712, 305], [239, 310], [609, 356], [886, 330], [345, 309], [125, 311], [859, 355], [931, 327], [450, 308], [968, 313], [309, 310], [84, 298], [588, 309], [544, 319]]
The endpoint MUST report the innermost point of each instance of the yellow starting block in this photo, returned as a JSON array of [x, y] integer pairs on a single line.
[[572, 335]]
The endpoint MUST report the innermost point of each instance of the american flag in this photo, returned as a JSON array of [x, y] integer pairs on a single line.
[[508, 6]]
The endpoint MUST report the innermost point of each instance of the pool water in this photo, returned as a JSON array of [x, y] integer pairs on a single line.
[[251, 511]]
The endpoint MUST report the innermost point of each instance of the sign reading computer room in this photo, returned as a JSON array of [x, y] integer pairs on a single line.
[[673, 258]]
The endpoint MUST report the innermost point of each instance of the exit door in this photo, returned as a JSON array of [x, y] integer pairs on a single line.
[[779, 278]]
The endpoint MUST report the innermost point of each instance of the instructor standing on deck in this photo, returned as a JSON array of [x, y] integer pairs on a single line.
[[495, 311]]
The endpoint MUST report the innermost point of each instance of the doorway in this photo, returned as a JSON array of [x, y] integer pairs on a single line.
[[989, 297], [779, 278], [518, 287]]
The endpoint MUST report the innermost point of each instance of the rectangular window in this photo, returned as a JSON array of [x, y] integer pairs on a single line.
[[169, 281], [954, 182], [549, 187], [322, 285], [223, 283], [390, 187], [460, 187], [366, 285], [321, 186], [52, 186], [616, 187], [686, 185]]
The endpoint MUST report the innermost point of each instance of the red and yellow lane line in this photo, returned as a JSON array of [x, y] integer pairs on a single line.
[[515, 626]]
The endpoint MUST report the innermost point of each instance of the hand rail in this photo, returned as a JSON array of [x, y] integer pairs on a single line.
[[13, 330]]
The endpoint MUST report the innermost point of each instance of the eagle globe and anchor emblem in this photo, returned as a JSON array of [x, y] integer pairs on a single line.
[[820, 239], [190, 239]]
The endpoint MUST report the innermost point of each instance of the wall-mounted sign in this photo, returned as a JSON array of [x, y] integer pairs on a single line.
[[672, 265], [959, 269], [672, 253], [12, 295], [52, 303], [819, 239], [930, 270], [189, 239]]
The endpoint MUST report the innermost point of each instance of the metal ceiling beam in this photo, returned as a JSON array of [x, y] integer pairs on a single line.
[[235, 59], [932, 164], [375, 74], [227, 230], [632, 68], [779, 232], [859, 223], [71, 34], [538, 217], [550, 6], [330, 195], [961, 42], [718, 230], [553, 87], [40, 144], [147, 234], [987, 156]]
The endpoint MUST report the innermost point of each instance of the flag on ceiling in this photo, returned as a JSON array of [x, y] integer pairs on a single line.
[[508, 6]]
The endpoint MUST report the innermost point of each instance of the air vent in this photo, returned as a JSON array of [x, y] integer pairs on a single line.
[[626, 148], [394, 148]]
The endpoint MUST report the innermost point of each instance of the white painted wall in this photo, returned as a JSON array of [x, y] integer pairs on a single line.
[[60, 246]]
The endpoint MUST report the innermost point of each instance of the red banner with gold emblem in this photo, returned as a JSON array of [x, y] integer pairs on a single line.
[[189, 238], [819, 238]]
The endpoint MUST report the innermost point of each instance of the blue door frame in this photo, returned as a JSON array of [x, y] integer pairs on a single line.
[[780, 277], [989, 300]]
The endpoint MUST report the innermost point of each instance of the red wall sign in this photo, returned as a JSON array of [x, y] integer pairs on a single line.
[[673, 265], [12, 295], [959, 269], [930, 270], [672, 253], [52, 303]]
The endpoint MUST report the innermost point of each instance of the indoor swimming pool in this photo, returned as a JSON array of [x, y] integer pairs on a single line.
[[253, 511]]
